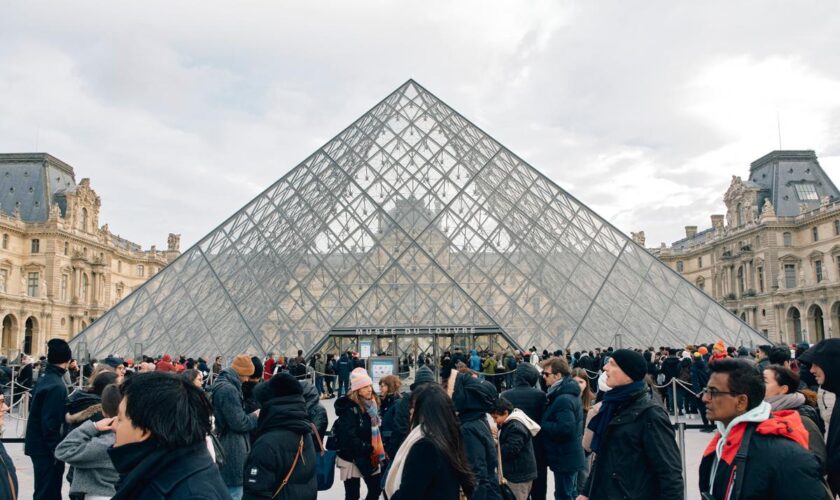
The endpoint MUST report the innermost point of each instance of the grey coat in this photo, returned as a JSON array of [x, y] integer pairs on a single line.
[[232, 426], [86, 449]]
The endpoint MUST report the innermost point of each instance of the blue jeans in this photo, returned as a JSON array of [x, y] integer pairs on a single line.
[[235, 492], [565, 485], [343, 386], [319, 384]]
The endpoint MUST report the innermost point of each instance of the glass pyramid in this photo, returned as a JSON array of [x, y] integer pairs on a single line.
[[412, 217]]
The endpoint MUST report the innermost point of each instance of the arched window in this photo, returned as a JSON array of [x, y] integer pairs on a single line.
[[83, 219]]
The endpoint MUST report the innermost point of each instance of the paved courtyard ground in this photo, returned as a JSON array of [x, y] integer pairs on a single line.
[[695, 444]]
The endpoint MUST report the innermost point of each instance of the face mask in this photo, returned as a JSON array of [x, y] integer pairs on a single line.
[[602, 382]]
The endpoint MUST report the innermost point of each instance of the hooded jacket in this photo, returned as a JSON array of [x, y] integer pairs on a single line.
[[282, 423], [826, 355], [778, 465], [316, 411], [473, 399], [562, 427], [165, 364], [82, 406], [516, 442], [232, 425], [86, 449], [399, 422], [475, 361]]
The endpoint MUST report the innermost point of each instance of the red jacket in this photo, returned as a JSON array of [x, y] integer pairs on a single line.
[[165, 364], [778, 466], [268, 368]]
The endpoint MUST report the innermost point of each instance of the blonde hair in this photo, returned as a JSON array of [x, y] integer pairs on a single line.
[[359, 400]]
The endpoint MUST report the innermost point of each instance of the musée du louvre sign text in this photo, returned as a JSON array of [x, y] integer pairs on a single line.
[[447, 330]]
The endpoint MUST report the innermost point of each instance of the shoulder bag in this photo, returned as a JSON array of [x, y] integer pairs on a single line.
[[324, 464], [291, 469]]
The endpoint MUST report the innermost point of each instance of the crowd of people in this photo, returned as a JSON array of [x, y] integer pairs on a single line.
[[484, 426]]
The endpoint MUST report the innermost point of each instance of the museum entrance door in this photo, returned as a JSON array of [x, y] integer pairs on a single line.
[[414, 347]]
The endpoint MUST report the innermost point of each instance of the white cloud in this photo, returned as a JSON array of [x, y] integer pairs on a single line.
[[180, 113]]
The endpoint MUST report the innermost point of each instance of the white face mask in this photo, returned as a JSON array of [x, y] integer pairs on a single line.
[[602, 382]]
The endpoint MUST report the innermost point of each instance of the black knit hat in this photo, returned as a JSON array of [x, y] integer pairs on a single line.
[[282, 384], [424, 375], [631, 362], [58, 352]]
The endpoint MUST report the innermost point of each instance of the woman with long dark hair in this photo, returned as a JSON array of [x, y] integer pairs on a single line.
[[432, 461]]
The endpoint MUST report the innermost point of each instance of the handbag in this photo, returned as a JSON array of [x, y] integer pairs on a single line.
[[324, 464], [291, 469], [217, 449], [504, 489]]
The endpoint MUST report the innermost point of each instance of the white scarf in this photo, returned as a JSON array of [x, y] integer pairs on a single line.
[[758, 414], [392, 482]]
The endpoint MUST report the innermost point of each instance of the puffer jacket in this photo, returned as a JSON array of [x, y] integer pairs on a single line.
[[81, 406], [315, 410], [518, 461], [232, 425], [353, 431], [826, 355], [562, 427], [640, 458], [283, 422], [473, 399], [778, 466]]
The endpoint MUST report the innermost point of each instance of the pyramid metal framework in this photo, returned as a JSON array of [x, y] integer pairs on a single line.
[[412, 217]]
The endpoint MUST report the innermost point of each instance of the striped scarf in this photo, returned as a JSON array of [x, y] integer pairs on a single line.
[[378, 454]]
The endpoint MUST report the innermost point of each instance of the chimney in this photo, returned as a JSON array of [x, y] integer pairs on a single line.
[[690, 231], [639, 238], [717, 221]]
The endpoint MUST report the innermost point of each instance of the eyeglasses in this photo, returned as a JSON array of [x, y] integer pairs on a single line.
[[546, 374], [713, 393]]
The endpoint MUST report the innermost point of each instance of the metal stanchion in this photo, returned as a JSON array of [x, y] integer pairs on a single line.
[[681, 442], [12, 390]]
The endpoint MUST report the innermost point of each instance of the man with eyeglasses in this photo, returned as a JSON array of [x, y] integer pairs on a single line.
[[754, 453], [562, 427], [8, 474]]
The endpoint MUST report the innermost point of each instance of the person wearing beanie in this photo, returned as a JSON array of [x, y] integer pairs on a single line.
[[283, 432], [361, 451], [402, 410], [824, 362], [249, 400], [233, 423], [46, 418], [562, 427], [632, 437]]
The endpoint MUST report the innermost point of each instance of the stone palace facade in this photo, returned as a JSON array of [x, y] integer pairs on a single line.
[[774, 258], [59, 270]]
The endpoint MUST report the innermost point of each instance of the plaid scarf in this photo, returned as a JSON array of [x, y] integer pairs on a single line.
[[378, 454]]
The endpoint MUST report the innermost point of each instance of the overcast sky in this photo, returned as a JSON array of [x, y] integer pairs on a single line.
[[181, 112]]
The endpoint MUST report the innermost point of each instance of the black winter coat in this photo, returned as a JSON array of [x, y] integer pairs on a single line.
[[562, 427], [473, 399], [671, 368], [640, 458], [283, 422], [777, 468], [826, 355], [315, 410], [518, 461], [388, 412], [427, 474], [524, 395], [8, 476], [353, 431], [46, 413], [150, 472], [699, 375]]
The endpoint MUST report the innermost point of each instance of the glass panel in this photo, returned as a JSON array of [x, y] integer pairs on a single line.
[[412, 216]]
